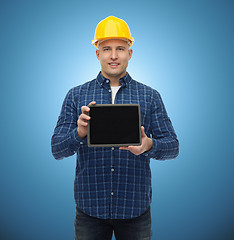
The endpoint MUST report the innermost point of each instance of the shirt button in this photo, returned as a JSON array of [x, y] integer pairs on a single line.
[[112, 170], [112, 148], [109, 90], [112, 193], [107, 81], [81, 142]]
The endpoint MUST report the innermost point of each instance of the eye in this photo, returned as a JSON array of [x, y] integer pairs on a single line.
[[121, 49], [106, 49]]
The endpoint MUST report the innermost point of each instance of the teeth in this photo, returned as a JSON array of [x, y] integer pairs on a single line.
[[113, 64]]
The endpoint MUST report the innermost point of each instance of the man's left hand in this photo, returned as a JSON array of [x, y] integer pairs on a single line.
[[145, 146]]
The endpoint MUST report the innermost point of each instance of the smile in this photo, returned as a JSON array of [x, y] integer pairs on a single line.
[[113, 64]]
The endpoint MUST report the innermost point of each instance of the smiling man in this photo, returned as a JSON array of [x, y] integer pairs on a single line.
[[114, 56], [113, 185]]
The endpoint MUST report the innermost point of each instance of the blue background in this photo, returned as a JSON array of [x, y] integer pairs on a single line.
[[184, 49]]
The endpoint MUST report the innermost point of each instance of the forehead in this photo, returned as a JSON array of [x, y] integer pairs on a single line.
[[113, 43]]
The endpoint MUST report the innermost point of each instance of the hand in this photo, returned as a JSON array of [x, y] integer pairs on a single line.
[[146, 145], [82, 121]]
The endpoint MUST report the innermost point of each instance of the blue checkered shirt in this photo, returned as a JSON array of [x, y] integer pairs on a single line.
[[112, 183]]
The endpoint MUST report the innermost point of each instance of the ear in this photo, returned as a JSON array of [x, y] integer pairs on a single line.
[[130, 53], [98, 54]]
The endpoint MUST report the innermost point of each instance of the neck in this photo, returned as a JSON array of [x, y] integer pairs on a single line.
[[114, 83], [114, 80]]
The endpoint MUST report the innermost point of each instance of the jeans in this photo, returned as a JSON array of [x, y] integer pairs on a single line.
[[90, 228]]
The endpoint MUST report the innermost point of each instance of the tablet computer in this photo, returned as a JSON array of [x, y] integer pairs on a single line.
[[114, 125]]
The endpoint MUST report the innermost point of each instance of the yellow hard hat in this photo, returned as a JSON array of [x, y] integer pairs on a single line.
[[112, 28]]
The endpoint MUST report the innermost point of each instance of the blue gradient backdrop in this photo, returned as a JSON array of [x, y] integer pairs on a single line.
[[184, 49]]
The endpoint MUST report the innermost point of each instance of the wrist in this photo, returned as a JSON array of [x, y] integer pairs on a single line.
[[80, 135], [149, 144]]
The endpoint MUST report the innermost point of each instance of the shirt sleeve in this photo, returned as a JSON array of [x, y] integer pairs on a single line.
[[165, 142], [65, 141]]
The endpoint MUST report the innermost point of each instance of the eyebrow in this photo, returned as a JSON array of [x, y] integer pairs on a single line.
[[116, 47]]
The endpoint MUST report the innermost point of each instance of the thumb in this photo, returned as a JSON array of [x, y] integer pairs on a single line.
[[143, 132]]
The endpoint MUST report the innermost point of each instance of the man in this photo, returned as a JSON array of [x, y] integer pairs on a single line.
[[113, 185]]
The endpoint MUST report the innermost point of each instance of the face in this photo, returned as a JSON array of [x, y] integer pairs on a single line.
[[114, 55]]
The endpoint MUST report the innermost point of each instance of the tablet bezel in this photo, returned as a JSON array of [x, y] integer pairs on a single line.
[[115, 144]]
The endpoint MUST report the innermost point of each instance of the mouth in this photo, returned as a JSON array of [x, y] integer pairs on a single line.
[[113, 64]]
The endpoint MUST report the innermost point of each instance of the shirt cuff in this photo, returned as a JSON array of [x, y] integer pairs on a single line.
[[76, 141], [154, 152]]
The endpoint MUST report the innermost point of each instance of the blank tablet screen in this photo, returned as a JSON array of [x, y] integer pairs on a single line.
[[114, 125]]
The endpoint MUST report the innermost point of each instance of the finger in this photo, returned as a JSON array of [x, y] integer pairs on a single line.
[[82, 120], [83, 124], [129, 148], [92, 103], [84, 117], [123, 148], [143, 132], [85, 109]]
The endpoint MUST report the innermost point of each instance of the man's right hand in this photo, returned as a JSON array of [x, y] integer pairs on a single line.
[[82, 121]]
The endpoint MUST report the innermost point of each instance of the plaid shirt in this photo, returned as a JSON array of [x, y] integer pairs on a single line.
[[112, 183]]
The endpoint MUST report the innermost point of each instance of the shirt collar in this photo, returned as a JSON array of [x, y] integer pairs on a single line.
[[124, 81]]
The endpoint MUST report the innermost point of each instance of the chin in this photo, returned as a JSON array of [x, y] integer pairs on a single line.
[[115, 73]]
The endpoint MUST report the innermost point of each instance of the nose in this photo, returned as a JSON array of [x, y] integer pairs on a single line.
[[113, 55]]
